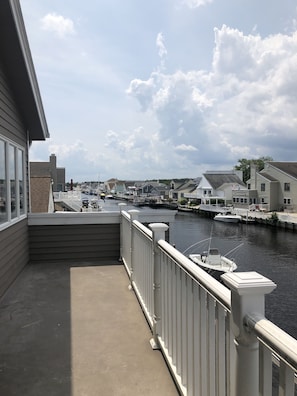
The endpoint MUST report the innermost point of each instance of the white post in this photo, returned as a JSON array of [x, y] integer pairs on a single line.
[[133, 216], [248, 291], [121, 206], [159, 230]]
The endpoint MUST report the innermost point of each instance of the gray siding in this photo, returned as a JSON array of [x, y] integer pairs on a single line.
[[75, 243], [14, 250], [14, 253], [10, 121]]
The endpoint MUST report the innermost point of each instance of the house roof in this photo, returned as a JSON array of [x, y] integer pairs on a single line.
[[40, 169], [216, 180], [268, 177], [290, 168], [16, 59]]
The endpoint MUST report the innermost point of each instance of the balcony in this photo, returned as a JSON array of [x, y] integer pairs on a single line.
[[71, 326]]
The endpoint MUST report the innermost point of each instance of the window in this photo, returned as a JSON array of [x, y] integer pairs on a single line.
[[287, 201], [12, 187], [3, 197], [287, 186], [262, 186], [249, 186]]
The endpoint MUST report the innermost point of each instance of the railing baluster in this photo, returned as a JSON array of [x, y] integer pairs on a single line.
[[220, 352], [190, 336], [203, 344], [211, 341], [286, 380]]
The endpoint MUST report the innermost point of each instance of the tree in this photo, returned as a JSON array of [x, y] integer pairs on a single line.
[[245, 166]]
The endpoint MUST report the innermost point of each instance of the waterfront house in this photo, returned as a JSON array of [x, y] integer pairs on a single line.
[[183, 189], [153, 189], [274, 188], [22, 121], [218, 186]]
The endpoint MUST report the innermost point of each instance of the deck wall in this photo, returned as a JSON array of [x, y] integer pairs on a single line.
[[14, 253], [75, 243]]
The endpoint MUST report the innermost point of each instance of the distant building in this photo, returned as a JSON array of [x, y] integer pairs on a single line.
[[41, 195], [49, 169], [274, 188]]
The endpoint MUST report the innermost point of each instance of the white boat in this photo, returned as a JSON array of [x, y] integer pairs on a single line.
[[228, 217], [213, 263]]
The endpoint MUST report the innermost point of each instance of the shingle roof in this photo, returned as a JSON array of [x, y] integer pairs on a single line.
[[267, 176], [217, 180], [40, 169], [287, 167]]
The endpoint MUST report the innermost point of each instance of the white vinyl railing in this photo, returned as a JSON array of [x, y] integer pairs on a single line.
[[216, 340]]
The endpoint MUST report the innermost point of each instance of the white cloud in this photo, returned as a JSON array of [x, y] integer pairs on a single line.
[[58, 24], [184, 147], [160, 42], [242, 107], [196, 3]]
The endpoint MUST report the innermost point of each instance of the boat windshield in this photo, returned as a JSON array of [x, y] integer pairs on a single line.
[[213, 252]]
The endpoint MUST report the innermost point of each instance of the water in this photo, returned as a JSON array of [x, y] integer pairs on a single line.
[[270, 251]]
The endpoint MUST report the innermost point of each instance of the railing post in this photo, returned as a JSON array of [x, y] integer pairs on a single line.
[[121, 206], [248, 291], [133, 216], [159, 230]]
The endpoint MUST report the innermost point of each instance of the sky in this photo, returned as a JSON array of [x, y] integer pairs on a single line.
[[157, 89]]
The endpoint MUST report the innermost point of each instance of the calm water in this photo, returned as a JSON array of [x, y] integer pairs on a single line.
[[269, 251]]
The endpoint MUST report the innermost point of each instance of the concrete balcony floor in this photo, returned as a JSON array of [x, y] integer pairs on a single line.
[[76, 330]]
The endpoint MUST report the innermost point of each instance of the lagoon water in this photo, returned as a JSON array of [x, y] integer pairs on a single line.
[[270, 251]]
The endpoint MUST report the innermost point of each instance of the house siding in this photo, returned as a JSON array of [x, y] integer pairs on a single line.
[[75, 243], [10, 121], [278, 193], [14, 253]]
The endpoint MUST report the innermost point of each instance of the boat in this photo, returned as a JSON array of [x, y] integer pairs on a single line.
[[213, 262], [228, 217]]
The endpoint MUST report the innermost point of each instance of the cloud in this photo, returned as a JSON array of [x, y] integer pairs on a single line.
[[245, 106], [196, 3], [57, 24], [160, 42], [184, 147]]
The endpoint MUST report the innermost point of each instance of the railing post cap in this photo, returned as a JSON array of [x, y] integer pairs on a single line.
[[158, 226], [122, 204], [133, 211], [248, 283]]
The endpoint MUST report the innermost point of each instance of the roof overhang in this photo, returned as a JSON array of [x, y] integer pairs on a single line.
[[16, 59]]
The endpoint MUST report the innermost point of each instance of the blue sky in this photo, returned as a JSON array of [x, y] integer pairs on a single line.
[[164, 88]]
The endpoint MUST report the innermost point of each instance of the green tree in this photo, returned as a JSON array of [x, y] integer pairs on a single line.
[[244, 165]]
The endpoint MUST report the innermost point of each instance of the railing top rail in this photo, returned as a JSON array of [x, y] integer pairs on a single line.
[[213, 287], [281, 343]]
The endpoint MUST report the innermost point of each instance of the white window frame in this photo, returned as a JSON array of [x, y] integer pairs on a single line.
[[12, 220]]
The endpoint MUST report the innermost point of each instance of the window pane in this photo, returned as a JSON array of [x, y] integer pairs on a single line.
[[3, 198], [21, 181], [12, 181]]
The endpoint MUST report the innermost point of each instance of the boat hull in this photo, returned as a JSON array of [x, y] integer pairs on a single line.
[[228, 218], [215, 270]]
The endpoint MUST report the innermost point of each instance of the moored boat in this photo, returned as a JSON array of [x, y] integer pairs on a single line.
[[228, 217], [213, 262]]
